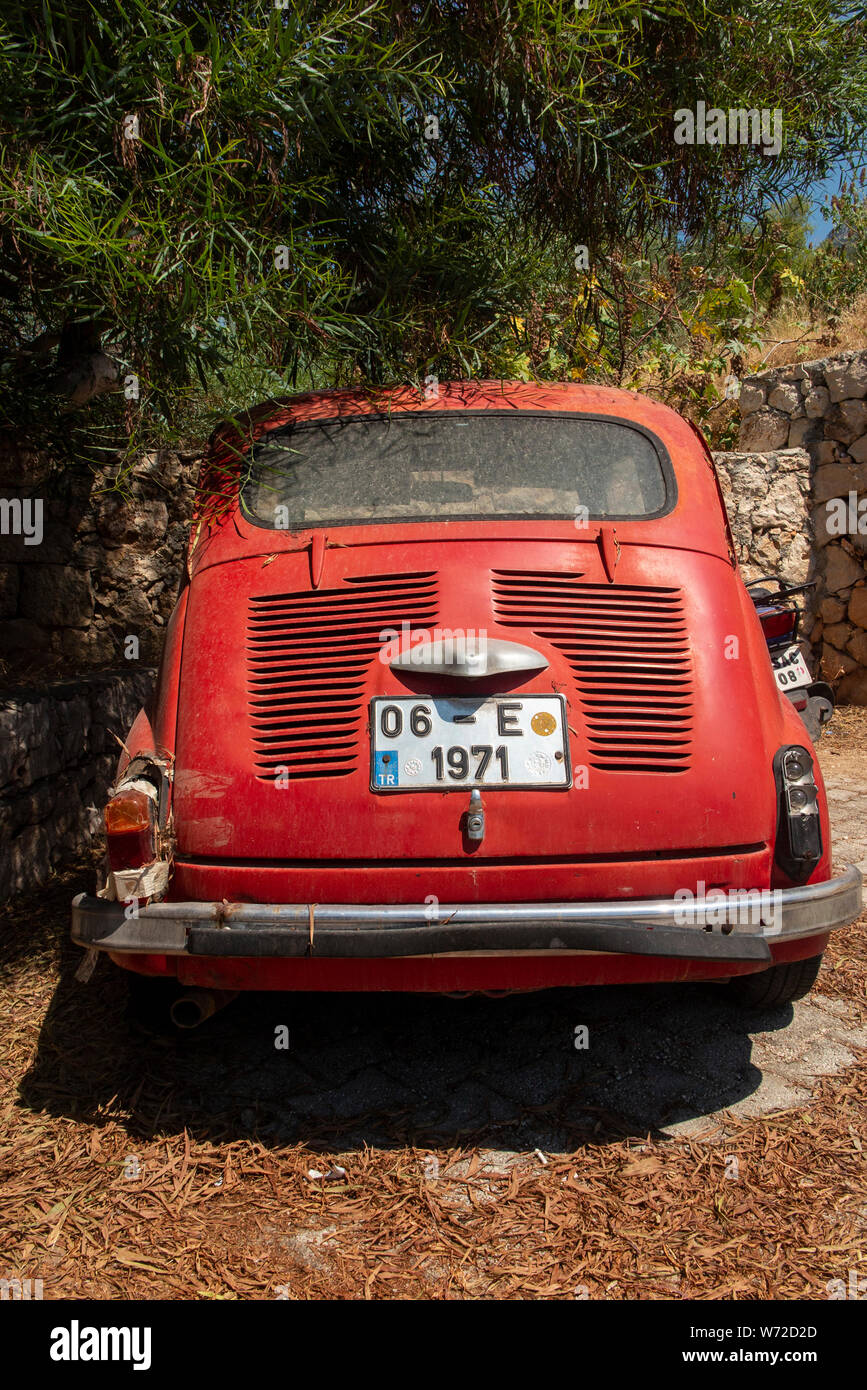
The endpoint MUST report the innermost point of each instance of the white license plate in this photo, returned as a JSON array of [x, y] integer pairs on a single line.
[[790, 669], [442, 744]]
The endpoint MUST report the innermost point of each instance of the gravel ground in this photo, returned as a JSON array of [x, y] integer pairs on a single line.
[[843, 758], [466, 1147]]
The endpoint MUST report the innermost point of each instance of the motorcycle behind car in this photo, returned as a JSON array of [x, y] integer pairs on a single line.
[[780, 617]]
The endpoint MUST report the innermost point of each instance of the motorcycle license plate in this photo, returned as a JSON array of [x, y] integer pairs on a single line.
[[790, 668]]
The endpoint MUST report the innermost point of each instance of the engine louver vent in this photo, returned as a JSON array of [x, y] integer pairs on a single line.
[[308, 654], [627, 646]]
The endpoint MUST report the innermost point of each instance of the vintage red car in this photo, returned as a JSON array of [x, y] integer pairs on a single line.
[[466, 693]]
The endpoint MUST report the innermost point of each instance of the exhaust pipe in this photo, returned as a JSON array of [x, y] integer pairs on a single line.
[[195, 1005]]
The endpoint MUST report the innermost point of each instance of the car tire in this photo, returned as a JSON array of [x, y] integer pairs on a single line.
[[781, 984], [816, 715]]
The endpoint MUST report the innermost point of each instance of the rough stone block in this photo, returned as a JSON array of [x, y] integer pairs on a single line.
[[847, 379], [763, 429]]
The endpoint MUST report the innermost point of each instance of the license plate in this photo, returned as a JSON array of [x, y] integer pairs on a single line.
[[790, 669], [434, 743]]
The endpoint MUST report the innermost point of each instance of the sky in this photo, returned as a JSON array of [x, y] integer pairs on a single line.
[[822, 193]]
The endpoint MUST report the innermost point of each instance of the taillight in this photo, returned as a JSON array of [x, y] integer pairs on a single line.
[[779, 624], [129, 829], [799, 827]]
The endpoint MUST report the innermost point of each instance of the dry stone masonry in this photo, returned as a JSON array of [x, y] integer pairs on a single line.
[[767, 497], [821, 408], [107, 566], [58, 754], [106, 569]]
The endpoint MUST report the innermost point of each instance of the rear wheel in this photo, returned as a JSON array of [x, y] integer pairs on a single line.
[[820, 707], [782, 984]]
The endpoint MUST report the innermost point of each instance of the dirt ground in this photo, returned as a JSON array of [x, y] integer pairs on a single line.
[[414, 1147]]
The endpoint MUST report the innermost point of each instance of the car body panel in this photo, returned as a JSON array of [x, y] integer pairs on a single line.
[[274, 654]]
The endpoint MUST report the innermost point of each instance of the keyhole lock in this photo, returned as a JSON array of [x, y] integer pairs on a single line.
[[476, 817]]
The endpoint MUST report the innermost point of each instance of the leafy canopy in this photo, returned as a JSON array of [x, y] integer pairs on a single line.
[[157, 156]]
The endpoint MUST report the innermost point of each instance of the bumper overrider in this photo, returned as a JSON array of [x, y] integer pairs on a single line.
[[739, 927]]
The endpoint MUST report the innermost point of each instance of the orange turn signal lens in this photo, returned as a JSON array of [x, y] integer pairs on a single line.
[[129, 828], [128, 812]]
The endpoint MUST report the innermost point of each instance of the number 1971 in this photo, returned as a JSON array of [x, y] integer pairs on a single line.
[[458, 760]]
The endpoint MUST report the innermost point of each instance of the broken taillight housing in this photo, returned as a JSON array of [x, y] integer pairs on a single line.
[[130, 829]]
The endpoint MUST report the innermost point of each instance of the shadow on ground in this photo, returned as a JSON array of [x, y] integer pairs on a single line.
[[396, 1070]]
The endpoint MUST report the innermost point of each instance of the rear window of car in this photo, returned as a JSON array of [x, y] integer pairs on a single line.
[[455, 465]]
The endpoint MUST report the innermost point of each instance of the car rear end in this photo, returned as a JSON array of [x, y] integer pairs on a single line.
[[467, 693]]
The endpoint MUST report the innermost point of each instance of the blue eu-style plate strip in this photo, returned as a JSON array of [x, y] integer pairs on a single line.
[[386, 770]]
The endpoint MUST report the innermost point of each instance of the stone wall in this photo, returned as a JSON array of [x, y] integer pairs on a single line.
[[821, 407], [767, 497], [58, 754], [106, 570], [107, 567]]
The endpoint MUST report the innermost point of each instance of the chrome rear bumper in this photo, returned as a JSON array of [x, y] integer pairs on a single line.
[[743, 927]]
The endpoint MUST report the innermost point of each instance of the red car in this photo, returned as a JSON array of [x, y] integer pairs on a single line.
[[466, 694]]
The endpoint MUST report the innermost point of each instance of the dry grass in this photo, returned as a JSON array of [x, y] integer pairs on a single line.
[[789, 336], [850, 725]]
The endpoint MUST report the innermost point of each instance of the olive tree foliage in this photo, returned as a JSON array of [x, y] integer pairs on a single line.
[[202, 202]]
